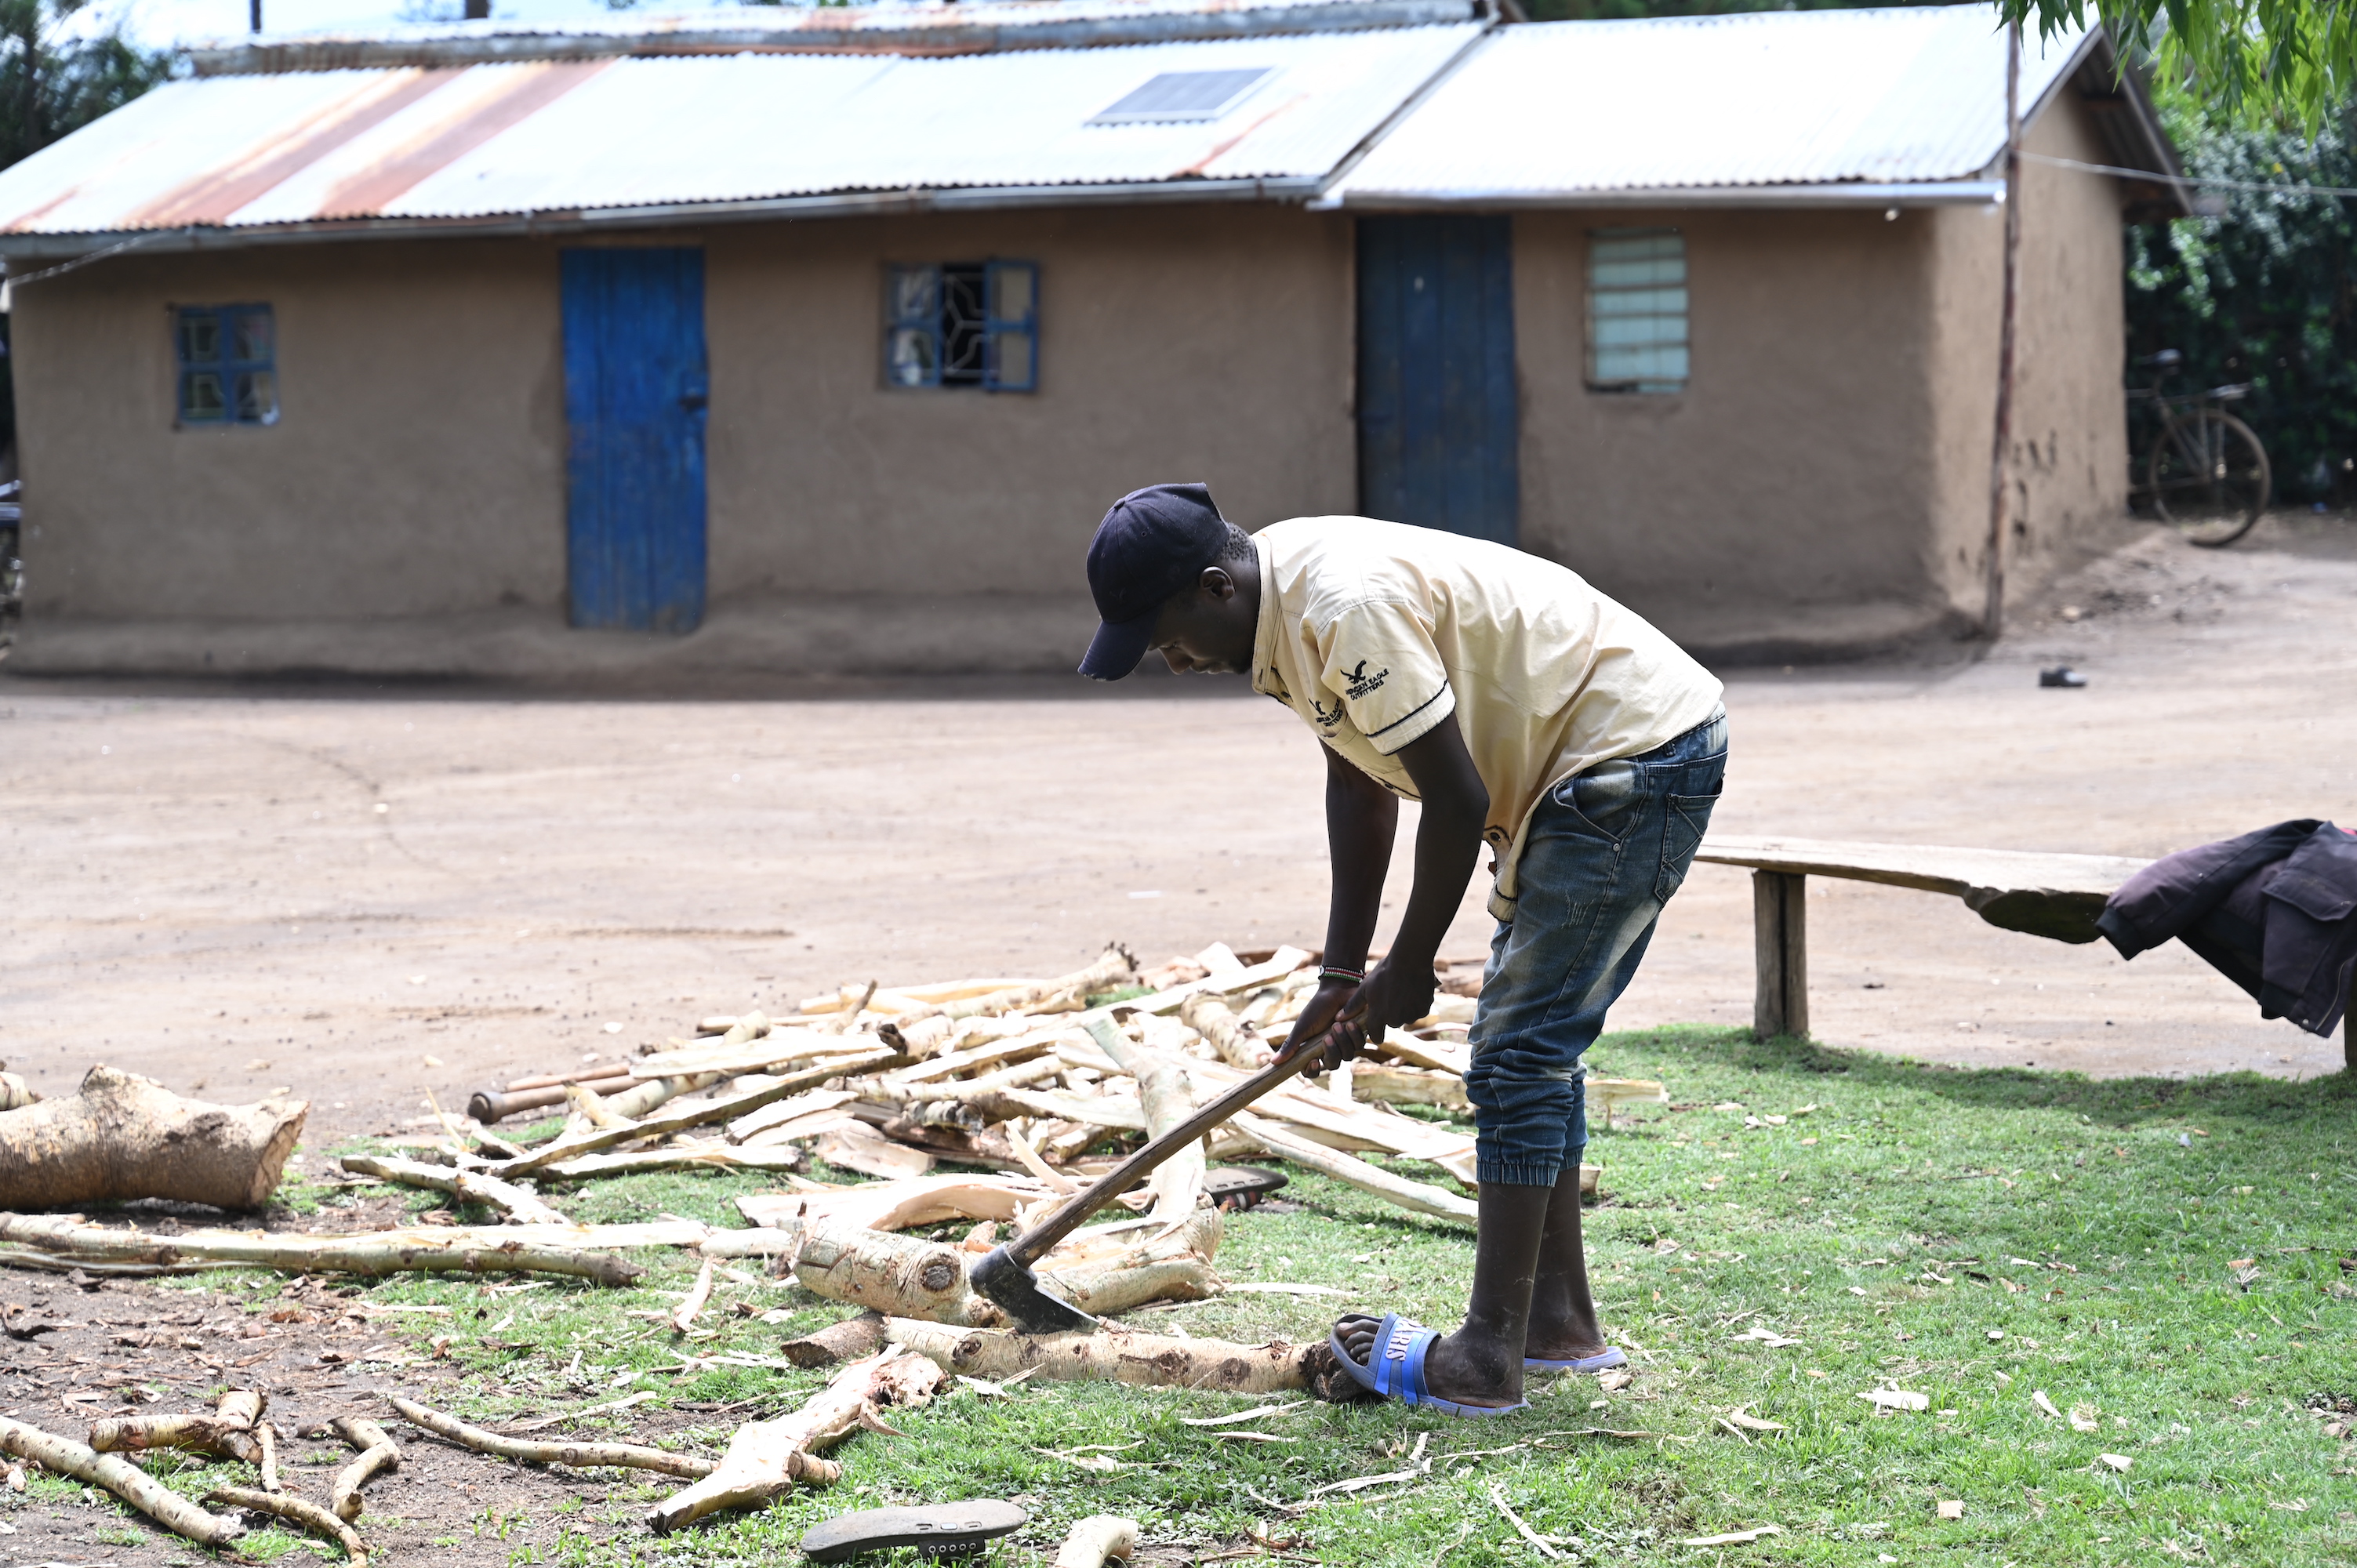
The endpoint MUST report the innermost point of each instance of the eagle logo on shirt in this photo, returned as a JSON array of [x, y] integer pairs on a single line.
[[1326, 719], [1364, 685]]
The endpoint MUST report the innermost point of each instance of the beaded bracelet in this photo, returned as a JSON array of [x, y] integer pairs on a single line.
[[1334, 971]]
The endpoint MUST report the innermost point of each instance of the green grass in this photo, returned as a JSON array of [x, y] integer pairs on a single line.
[[1971, 1236]]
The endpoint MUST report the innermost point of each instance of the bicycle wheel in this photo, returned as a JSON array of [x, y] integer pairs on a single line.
[[2208, 477]]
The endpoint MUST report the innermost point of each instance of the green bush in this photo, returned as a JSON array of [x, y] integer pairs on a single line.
[[2265, 292]]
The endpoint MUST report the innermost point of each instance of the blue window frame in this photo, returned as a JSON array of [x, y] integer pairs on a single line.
[[962, 324], [229, 364]]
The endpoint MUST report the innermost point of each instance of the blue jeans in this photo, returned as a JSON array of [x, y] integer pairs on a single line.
[[1605, 850]]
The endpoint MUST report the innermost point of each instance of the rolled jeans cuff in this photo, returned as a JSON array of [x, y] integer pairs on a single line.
[[1520, 1174]]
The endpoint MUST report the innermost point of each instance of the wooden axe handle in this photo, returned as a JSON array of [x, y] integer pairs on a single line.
[[1028, 1247]]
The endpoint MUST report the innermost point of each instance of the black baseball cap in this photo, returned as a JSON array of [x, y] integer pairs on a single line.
[[1154, 544]]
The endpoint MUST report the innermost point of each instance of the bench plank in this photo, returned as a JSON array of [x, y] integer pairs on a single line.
[[2045, 895]]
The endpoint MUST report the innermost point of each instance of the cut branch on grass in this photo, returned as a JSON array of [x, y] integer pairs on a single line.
[[900, 1276], [121, 1136], [362, 1253], [1095, 1540], [511, 1203], [309, 1515], [1110, 1354], [1164, 1095], [377, 1452], [227, 1433], [579, 1455], [684, 1316], [1238, 1043], [838, 1342], [767, 1459], [127, 1482]]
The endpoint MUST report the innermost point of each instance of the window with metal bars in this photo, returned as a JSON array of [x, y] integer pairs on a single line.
[[1637, 339], [228, 364], [962, 324]]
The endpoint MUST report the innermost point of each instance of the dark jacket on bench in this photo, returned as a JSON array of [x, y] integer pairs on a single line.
[[2275, 911]]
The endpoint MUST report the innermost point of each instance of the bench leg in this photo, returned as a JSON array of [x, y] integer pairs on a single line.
[[1779, 926]]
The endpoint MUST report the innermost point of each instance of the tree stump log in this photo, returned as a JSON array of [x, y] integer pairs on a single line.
[[125, 1137]]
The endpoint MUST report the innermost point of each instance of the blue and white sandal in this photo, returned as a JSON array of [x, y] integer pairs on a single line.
[[1395, 1368], [1603, 1361]]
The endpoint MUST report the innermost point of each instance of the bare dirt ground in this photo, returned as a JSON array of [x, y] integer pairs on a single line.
[[365, 894]]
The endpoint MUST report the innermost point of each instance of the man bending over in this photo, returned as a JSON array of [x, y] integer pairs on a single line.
[[1522, 708]]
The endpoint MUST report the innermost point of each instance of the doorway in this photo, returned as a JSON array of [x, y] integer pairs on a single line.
[[637, 389], [1438, 426]]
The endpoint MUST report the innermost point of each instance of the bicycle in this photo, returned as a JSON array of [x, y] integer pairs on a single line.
[[2206, 473]]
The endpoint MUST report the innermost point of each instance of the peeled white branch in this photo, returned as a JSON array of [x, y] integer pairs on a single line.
[[580, 1456], [767, 1459], [309, 1515], [1410, 1195], [125, 1480], [378, 1452], [513, 1203]]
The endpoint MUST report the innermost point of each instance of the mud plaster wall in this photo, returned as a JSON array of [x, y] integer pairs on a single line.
[[2069, 455], [417, 465], [418, 468], [1206, 343], [1795, 467]]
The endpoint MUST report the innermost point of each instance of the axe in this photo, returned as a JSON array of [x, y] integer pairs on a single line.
[[1004, 1275]]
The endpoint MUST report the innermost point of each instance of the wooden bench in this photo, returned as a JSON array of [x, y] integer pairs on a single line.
[[2054, 896]]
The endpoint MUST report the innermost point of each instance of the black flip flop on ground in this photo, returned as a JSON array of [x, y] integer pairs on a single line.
[[934, 1529]]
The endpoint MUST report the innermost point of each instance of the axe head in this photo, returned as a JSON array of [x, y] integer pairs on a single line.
[[1012, 1286]]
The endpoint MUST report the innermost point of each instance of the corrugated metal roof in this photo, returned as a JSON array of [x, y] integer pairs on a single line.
[[569, 136], [932, 26], [1888, 97]]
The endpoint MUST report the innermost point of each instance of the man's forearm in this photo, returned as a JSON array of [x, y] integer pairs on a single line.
[[1447, 847], [1361, 818]]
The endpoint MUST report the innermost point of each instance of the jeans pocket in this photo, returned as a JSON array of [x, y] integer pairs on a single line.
[[1607, 800], [1687, 818]]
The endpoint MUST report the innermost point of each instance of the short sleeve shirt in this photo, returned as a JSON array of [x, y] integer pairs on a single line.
[[1374, 632]]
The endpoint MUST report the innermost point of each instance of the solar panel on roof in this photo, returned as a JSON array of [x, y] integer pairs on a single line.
[[1182, 95]]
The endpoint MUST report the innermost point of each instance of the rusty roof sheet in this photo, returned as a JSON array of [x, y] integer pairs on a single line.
[[929, 27], [566, 136], [1571, 108]]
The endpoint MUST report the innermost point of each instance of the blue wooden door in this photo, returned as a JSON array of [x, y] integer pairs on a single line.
[[1437, 425], [636, 388]]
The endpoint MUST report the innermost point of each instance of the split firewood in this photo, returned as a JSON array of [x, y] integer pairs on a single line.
[[121, 1136], [765, 1459], [14, 1092], [578, 1455], [1111, 1355], [1166, 1099], [1409, 1086], [851, 1010], [776, 1113], [1170, 1265], [227, 1433], [120, 1477], [1238, 1043], [309, 1515], [878, 1058], [590, 1108], [845, 1341], [1097, 1540], [1113, 968], [1416, 1196], [377, 1452], [854, 1148], [1007, 1051], [385, 1253], [1614, 1092], [986, 1146], [684, 1316], [1280, 965], [513, 1203], [899, 1205], [710, 1156]]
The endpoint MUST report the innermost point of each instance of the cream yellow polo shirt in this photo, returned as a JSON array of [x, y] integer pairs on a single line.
[[1374, 632]]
